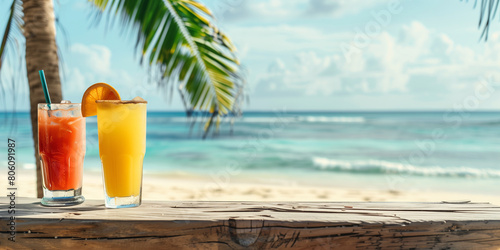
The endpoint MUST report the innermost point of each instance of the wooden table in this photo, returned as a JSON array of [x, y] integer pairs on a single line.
[[254, 225]]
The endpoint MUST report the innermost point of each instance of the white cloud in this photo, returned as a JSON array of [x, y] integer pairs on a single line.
[[285, 38], [242, 10], [442, 45], [96, 57], [416, 60], [297, 76], [74, 80], [285, 9], [340, 8], [323, 7], [91, 64]]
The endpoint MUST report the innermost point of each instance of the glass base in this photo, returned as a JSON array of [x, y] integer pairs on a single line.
[[61, 198], [122, 202]]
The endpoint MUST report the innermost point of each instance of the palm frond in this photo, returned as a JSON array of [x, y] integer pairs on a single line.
[[14, 21], [487, 12], [10, 44], [179, 38]]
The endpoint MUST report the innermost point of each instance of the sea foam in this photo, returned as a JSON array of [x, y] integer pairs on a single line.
[[333, 119], [277, 118], [307, 119], [387, 167]]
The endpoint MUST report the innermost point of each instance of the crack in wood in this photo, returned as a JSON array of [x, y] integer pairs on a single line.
[[253, 210], [259, 225], [215, 242], [108, 238]]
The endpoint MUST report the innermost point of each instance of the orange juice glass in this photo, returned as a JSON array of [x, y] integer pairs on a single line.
[[121, 126], [61, 144]]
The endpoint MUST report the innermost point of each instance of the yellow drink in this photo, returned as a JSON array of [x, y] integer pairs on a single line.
[[122, 145]]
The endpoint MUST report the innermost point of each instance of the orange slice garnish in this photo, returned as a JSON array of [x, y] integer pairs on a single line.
[[98, 91]]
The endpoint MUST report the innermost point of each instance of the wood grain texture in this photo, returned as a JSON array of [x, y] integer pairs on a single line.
[[255, 225]]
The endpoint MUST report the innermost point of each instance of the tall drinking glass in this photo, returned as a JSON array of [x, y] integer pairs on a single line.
[[61, 144], [121, 126]]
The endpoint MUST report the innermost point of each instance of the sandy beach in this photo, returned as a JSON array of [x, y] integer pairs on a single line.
[[179, 187]]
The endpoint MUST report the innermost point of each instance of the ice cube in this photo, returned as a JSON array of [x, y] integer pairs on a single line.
[[65, 101], [138, 99], [74, 121]]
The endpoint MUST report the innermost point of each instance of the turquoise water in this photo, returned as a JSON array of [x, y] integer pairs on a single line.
[[394, 150]]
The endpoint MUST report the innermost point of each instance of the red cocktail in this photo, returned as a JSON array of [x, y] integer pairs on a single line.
[[61, 142]]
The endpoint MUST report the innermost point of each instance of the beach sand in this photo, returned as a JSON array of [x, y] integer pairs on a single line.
[[180, 187]]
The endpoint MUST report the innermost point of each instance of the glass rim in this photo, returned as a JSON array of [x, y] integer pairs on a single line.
[[55, 106], [43, 103], [121, 101]]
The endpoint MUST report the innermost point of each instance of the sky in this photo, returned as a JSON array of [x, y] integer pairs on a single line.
[[344, 55]]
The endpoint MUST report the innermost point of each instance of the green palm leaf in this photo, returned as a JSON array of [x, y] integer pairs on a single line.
[[14, 21], [11, 38], [180, 39], [487, 12]]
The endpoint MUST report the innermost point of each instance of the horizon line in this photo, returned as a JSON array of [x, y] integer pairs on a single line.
[[313, 110]]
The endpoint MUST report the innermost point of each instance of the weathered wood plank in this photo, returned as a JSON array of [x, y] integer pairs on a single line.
[[254, 225]]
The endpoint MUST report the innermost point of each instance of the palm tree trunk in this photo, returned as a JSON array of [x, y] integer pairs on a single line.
[[41, 53]]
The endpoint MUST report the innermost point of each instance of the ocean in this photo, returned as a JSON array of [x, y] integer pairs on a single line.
[[447, 151]]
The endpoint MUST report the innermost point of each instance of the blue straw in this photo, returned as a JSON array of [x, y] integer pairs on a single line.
[[45, 89]]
